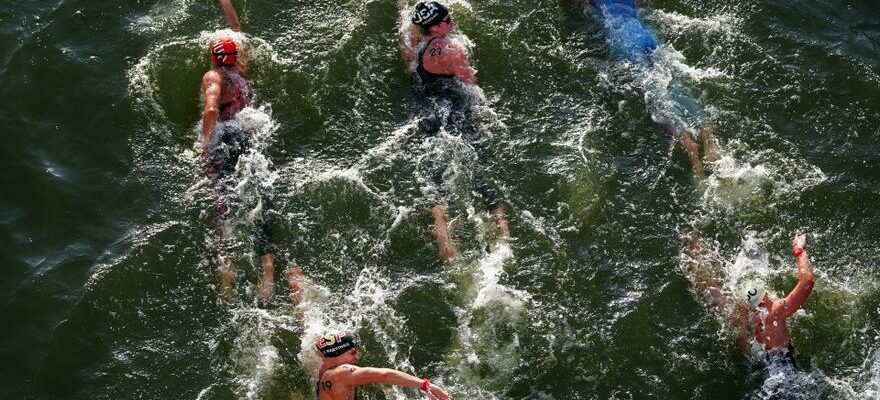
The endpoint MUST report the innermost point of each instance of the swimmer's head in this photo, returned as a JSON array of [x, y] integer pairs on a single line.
[[755, 295], [429, 14], [224, 51], [335, 344]]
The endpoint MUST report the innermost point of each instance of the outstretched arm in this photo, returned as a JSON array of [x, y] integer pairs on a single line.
[[410, 34], [357, 376], [804, 287], [211, 85], [231, 16], [743, 326]]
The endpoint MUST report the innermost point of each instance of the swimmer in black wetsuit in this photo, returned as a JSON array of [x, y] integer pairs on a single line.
[[227, 91], [442, 72]]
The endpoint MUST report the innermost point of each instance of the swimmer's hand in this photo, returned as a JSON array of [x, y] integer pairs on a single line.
[[434, 392], [800, 240]]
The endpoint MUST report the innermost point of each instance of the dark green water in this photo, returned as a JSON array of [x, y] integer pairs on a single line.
[[109, 288]]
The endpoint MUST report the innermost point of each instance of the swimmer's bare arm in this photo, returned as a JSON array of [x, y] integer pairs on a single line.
[[741, 320], [408, 43], [232, 21], [456, 63], [231, 15], [357, 376], [804, 287], [212, 86]]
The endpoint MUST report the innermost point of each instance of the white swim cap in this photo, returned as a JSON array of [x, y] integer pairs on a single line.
[[754, 295]]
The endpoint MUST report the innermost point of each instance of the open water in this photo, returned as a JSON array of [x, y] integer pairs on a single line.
[[109, 287]]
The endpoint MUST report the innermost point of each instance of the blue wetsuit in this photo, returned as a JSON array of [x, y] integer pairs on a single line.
[[628, 36], [631, 40]]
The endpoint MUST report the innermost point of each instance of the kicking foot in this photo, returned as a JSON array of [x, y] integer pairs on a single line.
[[441, 233], [227, 282], [294, 272], [692, 149], [267, 284]]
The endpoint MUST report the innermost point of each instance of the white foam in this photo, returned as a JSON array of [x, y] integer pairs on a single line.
[[163, 17]]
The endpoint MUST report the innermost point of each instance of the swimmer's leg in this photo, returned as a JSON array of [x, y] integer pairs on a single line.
[[692, 150], [294, 274], [493, 204], [226, 270], [710, 151], [500, 220], [227, 279], [708, 285], [264, 239], [267, 283], [446, 246], [294, 282]]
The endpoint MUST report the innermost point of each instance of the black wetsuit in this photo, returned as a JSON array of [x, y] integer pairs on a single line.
[[229, 143], [781, 358], [450, 107], [776, 376]]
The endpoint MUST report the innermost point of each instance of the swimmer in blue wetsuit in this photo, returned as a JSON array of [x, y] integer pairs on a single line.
[[442, 71], [630, 39], [226, 92]]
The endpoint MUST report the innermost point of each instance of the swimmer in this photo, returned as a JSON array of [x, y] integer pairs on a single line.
[[759, 316], [227, 91], [630, 39], [442, 67], [340, 375], [768, 316]]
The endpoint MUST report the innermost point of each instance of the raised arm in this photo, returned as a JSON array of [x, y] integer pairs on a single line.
[[804, 287], [410, 34], [231, 16], [212, 86], [357, 376]]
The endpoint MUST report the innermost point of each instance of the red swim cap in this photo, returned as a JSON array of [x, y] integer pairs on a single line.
[[224, 51]]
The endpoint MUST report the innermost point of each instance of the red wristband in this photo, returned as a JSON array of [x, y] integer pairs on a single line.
[[426, 384], [798, 251]]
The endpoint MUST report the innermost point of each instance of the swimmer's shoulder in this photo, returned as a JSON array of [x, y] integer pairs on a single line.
[[212, 76], [441, 42]]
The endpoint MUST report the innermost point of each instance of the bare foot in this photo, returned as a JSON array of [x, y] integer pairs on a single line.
[[441, 234], [710, 152], [501, 221], [692, 150], [294, 272], [227, 281], [267, 284], [708, 285]]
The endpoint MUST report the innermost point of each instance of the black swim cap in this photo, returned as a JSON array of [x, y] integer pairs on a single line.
[[336, 344], [429, 14]]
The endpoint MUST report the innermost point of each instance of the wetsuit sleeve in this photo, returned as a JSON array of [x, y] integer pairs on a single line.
[[212, 87], [804, 287]]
